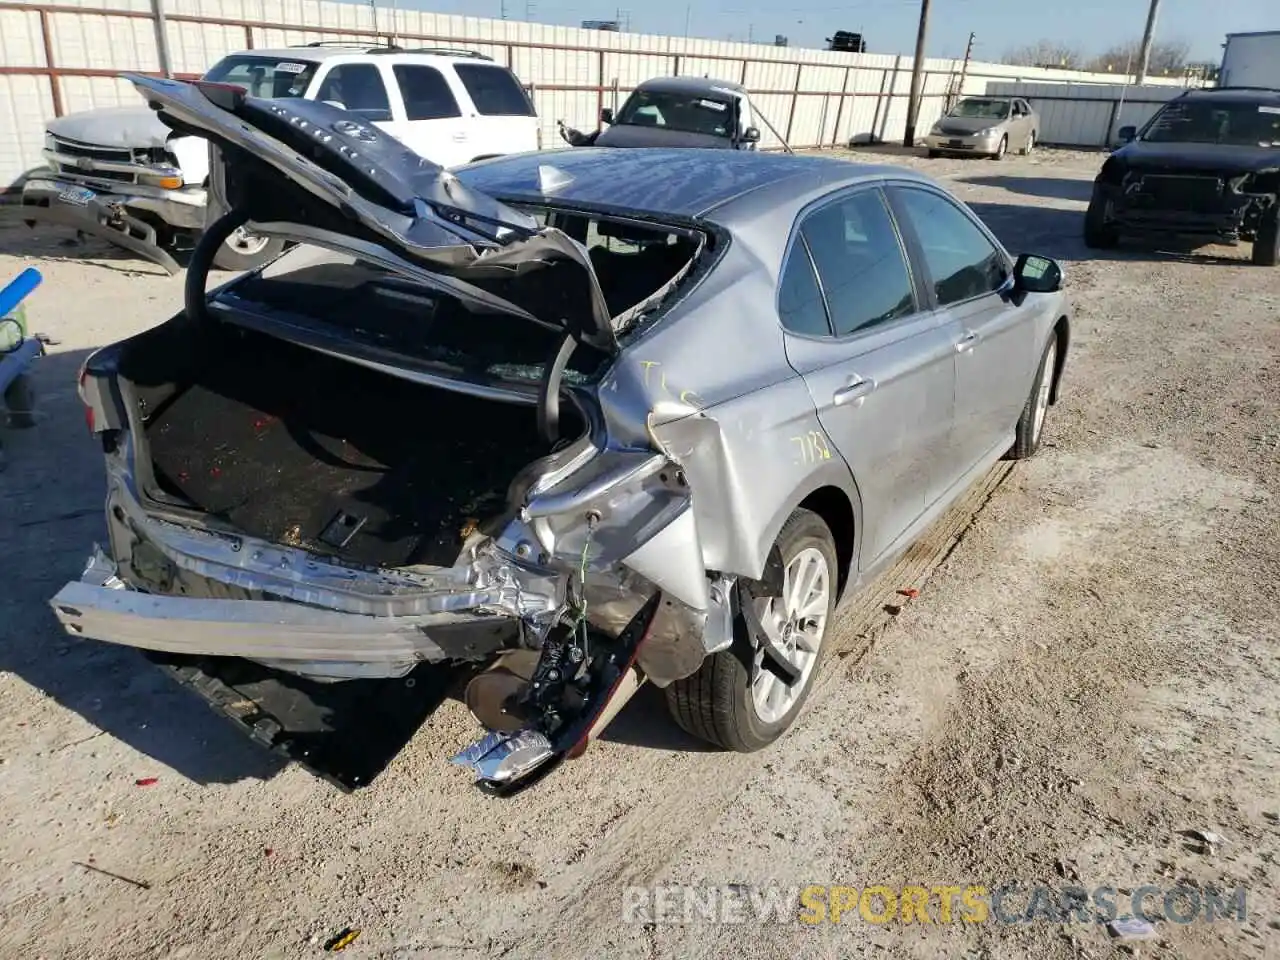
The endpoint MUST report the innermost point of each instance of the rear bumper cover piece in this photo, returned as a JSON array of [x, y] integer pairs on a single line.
[[111, 216]]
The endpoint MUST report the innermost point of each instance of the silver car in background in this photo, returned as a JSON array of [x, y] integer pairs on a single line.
[[985, 126], [585, 419]]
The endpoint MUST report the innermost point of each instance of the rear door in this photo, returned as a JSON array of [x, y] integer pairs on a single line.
[[502, 118], [431, 122], [876, 361], [993, 339]]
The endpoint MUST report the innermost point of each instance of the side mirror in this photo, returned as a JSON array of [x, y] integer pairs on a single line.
[[1127, 134], [1036, 274], [606, 115], [751, 135]]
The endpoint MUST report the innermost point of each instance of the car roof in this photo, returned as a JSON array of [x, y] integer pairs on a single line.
[[320, 54], [1233, 94], [721, 185], [691, 85]]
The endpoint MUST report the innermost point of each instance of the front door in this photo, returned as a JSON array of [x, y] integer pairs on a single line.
[[993, 339], [879, 368]]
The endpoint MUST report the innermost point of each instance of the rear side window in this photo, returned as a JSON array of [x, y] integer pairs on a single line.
[[495, 91], [359, 88], [860, 263], [426, 93], [799, 299]]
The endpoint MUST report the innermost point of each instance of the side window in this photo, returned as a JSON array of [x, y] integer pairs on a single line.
[[799, 299], [860, 262], [426, 93], [495, 92], [359, 88], [962, 262]]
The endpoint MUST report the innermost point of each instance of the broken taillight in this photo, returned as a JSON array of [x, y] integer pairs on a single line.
[[228, 96]]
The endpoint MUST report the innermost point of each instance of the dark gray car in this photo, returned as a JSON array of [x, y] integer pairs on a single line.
[[677, 112], [587, 418]]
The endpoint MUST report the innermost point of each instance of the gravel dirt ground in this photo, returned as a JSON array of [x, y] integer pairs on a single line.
[[1088, 673]]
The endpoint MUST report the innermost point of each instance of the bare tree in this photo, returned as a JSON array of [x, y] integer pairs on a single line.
[[1169, 57], [1045, 53]]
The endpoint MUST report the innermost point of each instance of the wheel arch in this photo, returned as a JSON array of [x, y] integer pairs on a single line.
[[1062, 333], [833, 495]]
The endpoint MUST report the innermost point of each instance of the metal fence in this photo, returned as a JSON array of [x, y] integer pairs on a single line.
[[57, 58]]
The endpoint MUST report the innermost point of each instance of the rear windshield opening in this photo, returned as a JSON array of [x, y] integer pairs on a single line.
[[385, 309]]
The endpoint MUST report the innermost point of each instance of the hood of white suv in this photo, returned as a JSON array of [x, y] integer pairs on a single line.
[[113, 127]]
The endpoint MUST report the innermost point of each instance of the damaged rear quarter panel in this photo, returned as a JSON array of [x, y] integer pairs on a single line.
[[711, 385]]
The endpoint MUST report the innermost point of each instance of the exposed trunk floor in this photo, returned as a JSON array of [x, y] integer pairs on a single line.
[[277, 439]]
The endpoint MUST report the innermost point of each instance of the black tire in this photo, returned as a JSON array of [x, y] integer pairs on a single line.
[[1001, 151], [1098, 234], [1029, 146], [20, 399], [934, 154], [1030, 429], [1266, 245], [227, 257], [715, 704]]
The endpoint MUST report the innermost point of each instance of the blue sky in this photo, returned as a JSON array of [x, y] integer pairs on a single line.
[[889, 25]]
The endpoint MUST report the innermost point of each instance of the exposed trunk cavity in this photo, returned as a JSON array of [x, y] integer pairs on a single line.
[[297, 447]]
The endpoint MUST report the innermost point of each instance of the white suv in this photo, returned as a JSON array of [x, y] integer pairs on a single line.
[[123, 175]]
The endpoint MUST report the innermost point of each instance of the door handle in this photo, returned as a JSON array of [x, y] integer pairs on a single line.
[[460, 137], [967, 342], [853, 392]]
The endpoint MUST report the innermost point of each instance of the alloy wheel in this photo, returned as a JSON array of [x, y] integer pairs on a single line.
[[797, 620], [1043, 390]]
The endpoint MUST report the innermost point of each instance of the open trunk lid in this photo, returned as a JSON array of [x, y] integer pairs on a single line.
[[320, 174]]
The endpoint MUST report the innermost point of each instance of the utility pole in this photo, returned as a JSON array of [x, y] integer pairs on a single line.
[[917, 78], [964, 71], [1144, 53]]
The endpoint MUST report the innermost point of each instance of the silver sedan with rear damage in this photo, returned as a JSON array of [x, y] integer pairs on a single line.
[[581, 420]]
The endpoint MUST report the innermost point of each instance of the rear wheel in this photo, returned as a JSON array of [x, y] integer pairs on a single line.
[[1030, 145], [738, 698], [1031, 424], [1098, 234], [934, 154], [244, 250], [1266, 245]]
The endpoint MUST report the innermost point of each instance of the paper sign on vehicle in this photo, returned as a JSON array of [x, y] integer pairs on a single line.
[[1263, 108], [713, 105], [289, 66]]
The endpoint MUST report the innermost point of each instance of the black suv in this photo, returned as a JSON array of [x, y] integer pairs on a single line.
[[1206, 167]]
